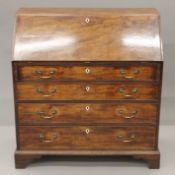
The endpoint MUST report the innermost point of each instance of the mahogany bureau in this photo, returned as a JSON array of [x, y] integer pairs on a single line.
[[87, 82]]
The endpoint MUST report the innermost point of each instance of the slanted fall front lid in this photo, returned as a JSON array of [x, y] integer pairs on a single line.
[[87, 35]]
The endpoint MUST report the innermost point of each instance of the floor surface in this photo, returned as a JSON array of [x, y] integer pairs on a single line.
[[88, 167]]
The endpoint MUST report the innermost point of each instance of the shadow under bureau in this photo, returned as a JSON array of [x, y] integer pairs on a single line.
[[87, 82]]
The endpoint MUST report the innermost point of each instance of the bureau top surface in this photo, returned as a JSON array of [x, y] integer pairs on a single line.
[[51, 34]]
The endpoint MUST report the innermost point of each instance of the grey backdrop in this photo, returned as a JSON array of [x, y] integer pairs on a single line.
[[7, 19]]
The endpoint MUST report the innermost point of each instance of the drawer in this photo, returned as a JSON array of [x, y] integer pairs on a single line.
[[86, 138], [79, 113], [85, 91], [92, 72]]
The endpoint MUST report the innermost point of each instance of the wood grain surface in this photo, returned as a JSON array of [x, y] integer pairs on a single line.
[[77, 138], [83, 34], [86, 91], [87, 82], [86, 113], [94, 72]]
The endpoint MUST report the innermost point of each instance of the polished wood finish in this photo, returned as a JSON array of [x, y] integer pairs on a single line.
[[76, 113], [101, 34], [97, 73], [21, 161], [86, 91], [90, 89], [87, 138]]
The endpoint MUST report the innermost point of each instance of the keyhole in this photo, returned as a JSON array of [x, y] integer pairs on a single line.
[[87, 131], [87, 70], [87, 108], [87, 88], [87, 20]]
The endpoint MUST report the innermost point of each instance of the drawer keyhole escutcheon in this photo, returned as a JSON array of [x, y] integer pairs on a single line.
[[87, 70], [126, 140], [43, 138], [87, 88], [87, 108], [87, 131], [87, 20]]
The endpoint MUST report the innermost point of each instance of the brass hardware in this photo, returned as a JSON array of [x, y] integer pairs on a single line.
[[40, 90], [38, 72], [45, 77], [44, 140], [41, 114], [121, 90], [129, 140], [87, 70], [122, 71], [129, 77], [52, 72], [134, 111], [128, 117], [46, 95], [54, 112], [134, 91], [129, 95], [87, 20], [87, 88], [135, 72], [121, 112], [51, 92], [87, 131], [48, 117], [87, 108]]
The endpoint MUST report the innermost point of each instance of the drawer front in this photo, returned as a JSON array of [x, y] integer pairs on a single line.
[[97, 73], [85, 91], [86, 113], [83, 138]]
